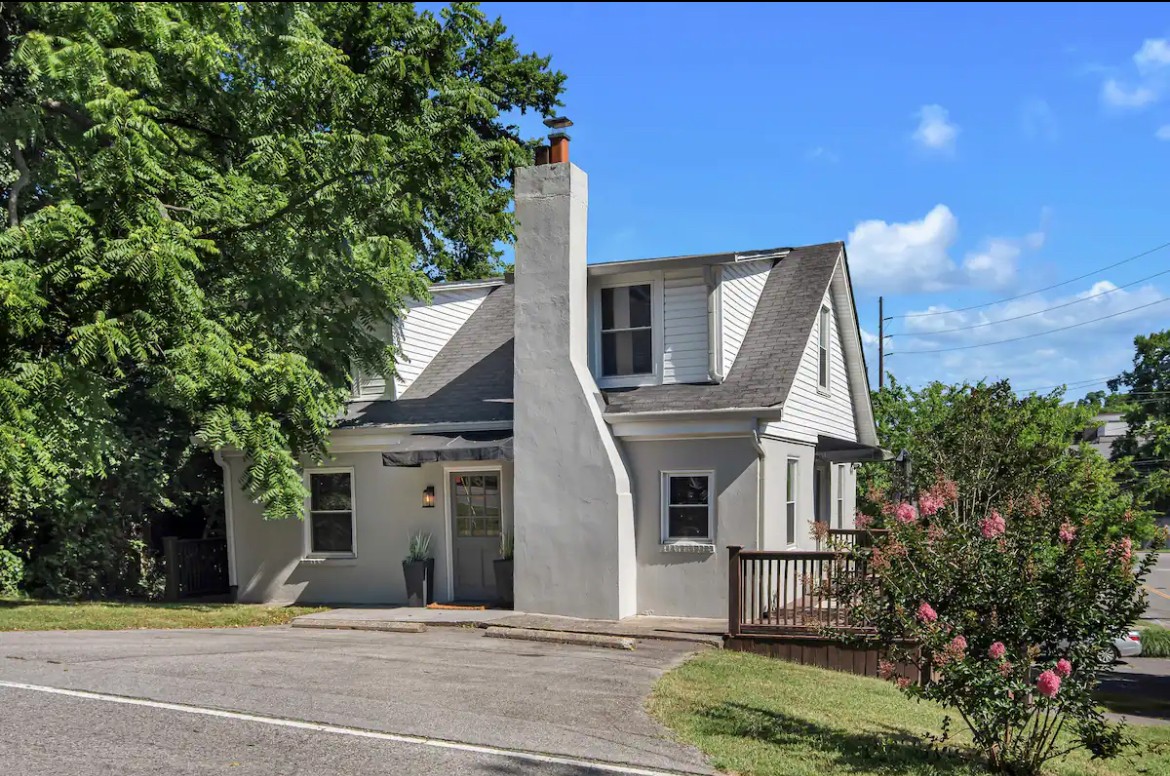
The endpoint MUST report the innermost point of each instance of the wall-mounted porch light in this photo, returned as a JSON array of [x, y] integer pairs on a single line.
[[429, 497]]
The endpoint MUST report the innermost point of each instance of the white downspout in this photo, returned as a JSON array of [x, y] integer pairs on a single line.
[[229, 522]]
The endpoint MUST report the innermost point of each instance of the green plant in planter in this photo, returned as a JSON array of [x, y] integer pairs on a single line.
[[420, 547], [507, 546]]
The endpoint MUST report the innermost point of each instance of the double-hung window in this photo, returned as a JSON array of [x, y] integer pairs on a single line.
[[824, 330], [627, 333], [330, 515], [688, 507], [791, 488]]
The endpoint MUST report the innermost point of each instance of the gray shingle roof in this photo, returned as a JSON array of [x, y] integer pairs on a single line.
[[470, 380], [770, 355]]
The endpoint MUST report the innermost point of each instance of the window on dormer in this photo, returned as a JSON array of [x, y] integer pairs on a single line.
[[823, 350], [627, 335]]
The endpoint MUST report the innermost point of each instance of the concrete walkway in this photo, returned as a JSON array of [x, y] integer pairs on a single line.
[[689, 629]]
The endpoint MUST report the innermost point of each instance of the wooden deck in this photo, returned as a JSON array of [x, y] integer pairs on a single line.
[[786, 604]]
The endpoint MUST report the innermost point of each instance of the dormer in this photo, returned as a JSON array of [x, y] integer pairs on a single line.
[[672, 320]]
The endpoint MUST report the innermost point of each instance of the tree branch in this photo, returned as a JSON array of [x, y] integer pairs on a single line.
[[18, 185], [72, 112], [293, 204]]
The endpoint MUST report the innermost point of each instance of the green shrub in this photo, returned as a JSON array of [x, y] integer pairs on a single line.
[[1155, 641]]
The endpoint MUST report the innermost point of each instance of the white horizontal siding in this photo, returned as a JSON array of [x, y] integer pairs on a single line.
[[740, 289], [809, 412], [423, 332], [685, 322]]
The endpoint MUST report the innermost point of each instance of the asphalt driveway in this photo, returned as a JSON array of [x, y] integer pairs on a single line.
[[279, 700]]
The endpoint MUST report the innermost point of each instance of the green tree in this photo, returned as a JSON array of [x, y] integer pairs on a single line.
[[211, 211], [1010, 562], [1107, 402], [1147, 440]]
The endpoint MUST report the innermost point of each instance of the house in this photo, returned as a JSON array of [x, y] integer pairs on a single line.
[[1107, 428], [625, 421]]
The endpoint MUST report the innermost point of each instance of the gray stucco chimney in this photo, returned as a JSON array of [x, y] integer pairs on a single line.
[[573, 512]]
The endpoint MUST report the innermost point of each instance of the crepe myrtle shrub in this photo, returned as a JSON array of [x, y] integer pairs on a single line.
[[1005, 573]]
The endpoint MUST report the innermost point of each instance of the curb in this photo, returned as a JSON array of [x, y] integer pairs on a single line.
[[560, 637], [362, 625]]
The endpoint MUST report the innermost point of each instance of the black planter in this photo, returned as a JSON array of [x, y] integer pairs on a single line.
[[504, 580], [420, 581]]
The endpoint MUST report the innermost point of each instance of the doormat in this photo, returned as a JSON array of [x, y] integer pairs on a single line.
[[459, 607]]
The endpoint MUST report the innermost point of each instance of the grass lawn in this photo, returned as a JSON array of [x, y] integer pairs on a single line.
[[27, 615], [755, 716]]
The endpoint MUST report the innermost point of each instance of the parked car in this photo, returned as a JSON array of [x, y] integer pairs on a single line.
[[1129, 645]]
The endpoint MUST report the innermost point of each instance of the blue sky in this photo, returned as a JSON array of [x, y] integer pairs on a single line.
[[966, 154]]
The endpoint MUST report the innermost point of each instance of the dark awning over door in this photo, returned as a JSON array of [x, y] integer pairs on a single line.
[[418, 449]]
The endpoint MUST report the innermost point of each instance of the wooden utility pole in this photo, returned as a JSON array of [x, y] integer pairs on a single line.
[[881, 343]]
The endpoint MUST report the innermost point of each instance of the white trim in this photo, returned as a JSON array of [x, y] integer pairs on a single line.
[[228, 514], [464, 285], [656, 282], [839, 498], [307, 518], [450, 467], [764, 413], [699, 542], [698, 428], [714, 277], [521, 755]]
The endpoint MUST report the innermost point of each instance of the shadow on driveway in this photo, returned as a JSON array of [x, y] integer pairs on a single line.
[[1138, 688]]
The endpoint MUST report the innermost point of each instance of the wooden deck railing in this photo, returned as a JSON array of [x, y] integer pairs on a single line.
[[850, 537], [195, 567], [788, 592]]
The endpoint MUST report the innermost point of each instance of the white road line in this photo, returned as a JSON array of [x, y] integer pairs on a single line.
[[437, 743]]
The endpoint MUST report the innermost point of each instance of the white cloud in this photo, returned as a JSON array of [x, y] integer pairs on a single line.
[[906, 257], [1152, 63], [1102, 347], [1117, 95], [1163, 132], [1153, 55], [936, 132], [914, 256], [1038, 120], [823, 154]]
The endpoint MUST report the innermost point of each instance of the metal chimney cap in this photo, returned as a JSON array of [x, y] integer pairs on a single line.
[[557, 122]]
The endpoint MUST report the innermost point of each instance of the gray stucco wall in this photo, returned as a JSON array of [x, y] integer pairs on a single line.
[[777, 452], [575, 550], [692, 584], [269, 554]]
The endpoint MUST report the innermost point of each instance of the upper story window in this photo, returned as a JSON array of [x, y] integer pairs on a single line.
[[823, 332], [627, 332]]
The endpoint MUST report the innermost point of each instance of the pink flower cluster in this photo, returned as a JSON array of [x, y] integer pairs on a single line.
[[905, 514], [886, 669], [996, 651], [1048, 684], [930, 504], [862, 520], [1125, 549], [1068, 533], [926, 613], [1006, 668], [1063, 667], [993, 525]]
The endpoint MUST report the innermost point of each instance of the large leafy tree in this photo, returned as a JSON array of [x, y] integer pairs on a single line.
[[211, 209]]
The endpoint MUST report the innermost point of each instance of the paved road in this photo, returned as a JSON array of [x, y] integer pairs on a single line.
[[379, 691], [1158, 589]]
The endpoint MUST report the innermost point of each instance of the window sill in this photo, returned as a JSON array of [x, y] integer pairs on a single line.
[[348, 560], [696, 547], [628, 381], [823, 391]]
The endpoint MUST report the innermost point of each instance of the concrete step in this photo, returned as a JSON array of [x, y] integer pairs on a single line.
[[560, 637]]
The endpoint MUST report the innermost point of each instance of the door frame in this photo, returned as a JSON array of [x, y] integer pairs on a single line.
[[449, 468]]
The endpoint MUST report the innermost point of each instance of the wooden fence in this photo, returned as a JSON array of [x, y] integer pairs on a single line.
[[195, 568]]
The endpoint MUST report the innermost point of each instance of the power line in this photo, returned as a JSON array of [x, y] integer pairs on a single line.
[[1038, 290], [1084, 383], [1037, 334], [1038, 312]]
